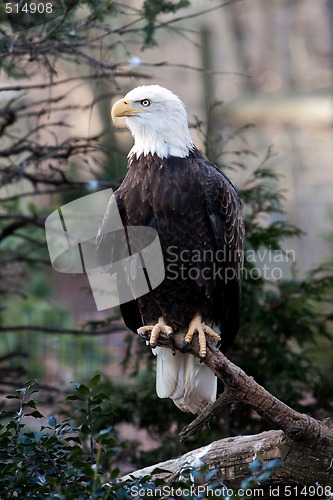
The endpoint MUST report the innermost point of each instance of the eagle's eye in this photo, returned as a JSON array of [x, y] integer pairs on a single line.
[[145, 102]]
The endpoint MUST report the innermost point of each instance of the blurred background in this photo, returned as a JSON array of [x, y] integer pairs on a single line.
[[256, 78]]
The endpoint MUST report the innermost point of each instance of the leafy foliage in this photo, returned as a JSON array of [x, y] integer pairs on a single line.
[[73, 458], [59, 458]]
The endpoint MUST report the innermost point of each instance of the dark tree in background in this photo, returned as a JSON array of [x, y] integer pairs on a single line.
[[48, 157]]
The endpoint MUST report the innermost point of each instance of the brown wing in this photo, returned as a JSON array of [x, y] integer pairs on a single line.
[[110, 247], [225, 215]]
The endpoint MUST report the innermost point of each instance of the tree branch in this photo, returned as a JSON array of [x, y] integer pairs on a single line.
[[304, 444], [63, 331], [243, 389], [211, 411]]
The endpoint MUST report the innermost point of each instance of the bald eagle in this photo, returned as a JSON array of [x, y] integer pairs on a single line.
[[171, 187]]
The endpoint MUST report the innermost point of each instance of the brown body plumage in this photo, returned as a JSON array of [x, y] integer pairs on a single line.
[[196, 212]]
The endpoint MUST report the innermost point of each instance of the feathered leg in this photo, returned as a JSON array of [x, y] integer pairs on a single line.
[[181, 377]]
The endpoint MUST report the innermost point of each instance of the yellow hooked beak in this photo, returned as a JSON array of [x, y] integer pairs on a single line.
[[124, 107]]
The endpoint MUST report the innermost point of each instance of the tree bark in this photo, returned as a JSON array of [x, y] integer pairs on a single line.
[[303, 465], [303, 443]]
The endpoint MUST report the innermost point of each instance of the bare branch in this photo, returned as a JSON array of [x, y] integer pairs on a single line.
[[63, 331], [243, 389]]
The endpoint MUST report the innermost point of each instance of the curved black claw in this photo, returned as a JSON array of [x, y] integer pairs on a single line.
[[201, 360], [185, 346], [172, 338], [218, 344], [143, 336]]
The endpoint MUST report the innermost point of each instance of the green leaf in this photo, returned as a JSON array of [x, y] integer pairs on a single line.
[[84, 428], [104, 432], [101, 396], [255, 466], [94, 381], [52, 421], [35, 414], [114, 473], [278, 462], [31, 404], [83, 390], [74, 397]]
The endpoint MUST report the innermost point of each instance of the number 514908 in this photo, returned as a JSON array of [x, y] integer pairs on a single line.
[[28, 8]]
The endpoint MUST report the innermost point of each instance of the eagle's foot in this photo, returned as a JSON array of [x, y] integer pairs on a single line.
[[202, 329], [155, 331]]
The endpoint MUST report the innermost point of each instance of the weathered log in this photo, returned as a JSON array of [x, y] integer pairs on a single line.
[[303, 465]]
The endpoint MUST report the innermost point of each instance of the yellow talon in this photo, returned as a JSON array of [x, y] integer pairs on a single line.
[[156, 330], [202, 329]]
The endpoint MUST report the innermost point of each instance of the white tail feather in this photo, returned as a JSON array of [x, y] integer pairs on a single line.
[[190, 384]]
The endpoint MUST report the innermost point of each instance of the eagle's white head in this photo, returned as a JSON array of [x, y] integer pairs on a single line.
[[157, 119]]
